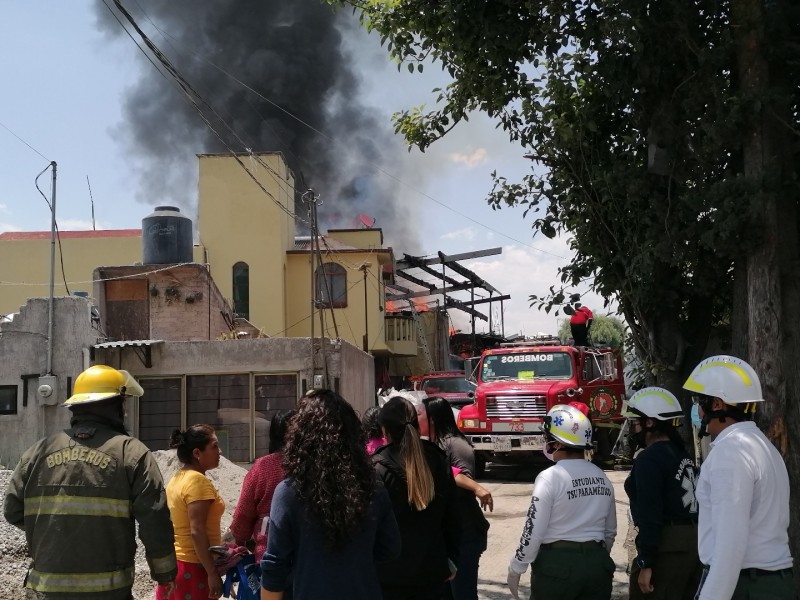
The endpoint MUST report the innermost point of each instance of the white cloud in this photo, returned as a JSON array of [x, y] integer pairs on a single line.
[[467, 234], [472, 159], [8, 227], [3, 208]]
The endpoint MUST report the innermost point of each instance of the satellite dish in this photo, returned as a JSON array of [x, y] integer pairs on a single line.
[[367, 221]]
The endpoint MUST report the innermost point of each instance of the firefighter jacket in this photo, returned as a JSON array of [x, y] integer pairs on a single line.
[[78, 495]]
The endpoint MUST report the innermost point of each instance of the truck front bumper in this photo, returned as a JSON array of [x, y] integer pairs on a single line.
[[506, 443]]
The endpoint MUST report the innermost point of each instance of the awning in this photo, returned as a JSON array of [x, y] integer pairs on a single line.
[[141, 347]]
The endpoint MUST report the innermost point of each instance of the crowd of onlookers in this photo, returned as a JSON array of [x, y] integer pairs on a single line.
[[382, 507]]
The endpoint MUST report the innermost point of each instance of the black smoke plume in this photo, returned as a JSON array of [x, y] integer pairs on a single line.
[[293, 52]]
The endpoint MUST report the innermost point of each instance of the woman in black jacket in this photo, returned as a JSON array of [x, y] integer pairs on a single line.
[[474, 526], [422, 490]]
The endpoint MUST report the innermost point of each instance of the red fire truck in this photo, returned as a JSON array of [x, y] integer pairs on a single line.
[[518, 383]]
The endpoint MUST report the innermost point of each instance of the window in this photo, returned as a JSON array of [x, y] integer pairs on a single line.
[[331, 283], [241, 290], [8, 399], [528, 365], [159, 411]]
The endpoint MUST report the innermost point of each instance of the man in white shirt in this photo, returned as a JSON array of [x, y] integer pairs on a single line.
[[743, 490], [572, 520]]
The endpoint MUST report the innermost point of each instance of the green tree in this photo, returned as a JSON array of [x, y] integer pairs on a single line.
[[665, 136], [606, 329]]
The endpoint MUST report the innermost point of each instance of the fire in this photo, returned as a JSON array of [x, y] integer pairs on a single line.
[[401, 305]]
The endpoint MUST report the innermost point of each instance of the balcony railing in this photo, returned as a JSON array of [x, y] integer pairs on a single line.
[[401, 335]]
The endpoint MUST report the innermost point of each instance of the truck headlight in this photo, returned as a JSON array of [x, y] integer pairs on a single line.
[[469, 423]]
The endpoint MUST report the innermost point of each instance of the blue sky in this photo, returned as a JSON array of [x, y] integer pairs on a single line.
[[64, 82]]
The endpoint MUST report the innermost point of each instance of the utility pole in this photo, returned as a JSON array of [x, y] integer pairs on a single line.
[[52, 272], [313, 287], [363, 268]]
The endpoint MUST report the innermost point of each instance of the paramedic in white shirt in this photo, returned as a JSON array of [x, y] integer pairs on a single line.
[[743, 490], [572, 520]]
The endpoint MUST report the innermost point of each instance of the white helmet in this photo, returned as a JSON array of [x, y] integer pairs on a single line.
[[725, 377], [654, 403], [569, 426]]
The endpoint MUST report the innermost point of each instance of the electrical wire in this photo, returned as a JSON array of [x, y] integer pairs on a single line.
[[317, 131], [192, 97], [24, 142]]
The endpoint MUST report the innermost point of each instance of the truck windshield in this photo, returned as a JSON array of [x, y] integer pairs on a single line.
[[447, 385], [526, 365]]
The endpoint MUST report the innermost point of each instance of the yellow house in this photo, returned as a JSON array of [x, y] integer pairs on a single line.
[[247, 236]]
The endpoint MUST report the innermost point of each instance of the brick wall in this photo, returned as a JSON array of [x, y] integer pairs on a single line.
[[180, 303]]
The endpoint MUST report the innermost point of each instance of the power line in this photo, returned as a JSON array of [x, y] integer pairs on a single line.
[[24, 142], [312, 128]]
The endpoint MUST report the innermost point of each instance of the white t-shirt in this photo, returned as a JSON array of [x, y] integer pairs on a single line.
[[743, 494], [574, 501]]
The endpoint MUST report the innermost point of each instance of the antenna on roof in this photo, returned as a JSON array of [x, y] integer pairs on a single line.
[[92, 201]]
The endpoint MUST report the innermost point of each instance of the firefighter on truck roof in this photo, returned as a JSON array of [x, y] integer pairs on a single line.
[[78, 492]]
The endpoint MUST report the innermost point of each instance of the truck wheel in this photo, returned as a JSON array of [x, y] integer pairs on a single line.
[[480, 465]]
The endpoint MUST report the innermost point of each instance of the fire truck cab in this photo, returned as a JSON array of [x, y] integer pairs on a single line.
[[518, 383]]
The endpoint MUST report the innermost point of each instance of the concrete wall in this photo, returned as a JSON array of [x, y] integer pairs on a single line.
[[239, 222], [23, 348], [27, 261], [263, 355], [171, 316], [358, 378], [359, 238]]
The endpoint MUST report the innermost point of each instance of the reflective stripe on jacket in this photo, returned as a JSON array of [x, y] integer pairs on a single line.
[[78, 495]]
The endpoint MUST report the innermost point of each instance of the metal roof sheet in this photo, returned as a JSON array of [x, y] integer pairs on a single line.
[[128, 343]]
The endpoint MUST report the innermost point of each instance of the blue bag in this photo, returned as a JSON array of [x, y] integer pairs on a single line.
[[247, 574]]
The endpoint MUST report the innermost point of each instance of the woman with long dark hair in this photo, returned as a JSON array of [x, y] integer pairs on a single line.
[[444, 432], [195, 508], [422, 489], [251, 517], [331, 519]]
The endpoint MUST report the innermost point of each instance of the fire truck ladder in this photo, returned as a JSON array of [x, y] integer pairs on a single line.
[[422, 339]]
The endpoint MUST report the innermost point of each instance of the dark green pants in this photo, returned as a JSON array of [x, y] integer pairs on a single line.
[[567, 571], [676, 572], [755, 584]]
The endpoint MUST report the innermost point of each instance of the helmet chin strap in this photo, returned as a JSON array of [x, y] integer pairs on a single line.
[[708, 417]]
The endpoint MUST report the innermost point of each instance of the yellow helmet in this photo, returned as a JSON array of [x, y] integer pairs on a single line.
[[101, 382]]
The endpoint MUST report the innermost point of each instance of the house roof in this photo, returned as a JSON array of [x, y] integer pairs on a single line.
[[66, 235]]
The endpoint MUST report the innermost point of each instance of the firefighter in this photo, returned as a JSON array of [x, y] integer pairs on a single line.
[[742, 491], [572, 521], [661, 491], [77, 493], [579, 324]]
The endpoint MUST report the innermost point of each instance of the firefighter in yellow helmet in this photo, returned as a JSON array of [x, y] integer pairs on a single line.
[[79, 493], [742, 492]]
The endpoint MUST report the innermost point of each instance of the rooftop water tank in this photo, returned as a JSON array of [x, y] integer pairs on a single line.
[[166, 237]]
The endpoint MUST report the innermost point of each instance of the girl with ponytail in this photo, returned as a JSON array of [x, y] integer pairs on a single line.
[[422, 490]]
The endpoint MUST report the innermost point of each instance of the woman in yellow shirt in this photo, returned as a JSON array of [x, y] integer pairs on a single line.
[[196, 511]]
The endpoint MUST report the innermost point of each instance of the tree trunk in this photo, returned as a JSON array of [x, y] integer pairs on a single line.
[[773, 295]]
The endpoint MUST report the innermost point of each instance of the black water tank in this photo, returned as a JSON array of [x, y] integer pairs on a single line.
[[166, 237]]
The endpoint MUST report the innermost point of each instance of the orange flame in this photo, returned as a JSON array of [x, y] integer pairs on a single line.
[[393, 306]]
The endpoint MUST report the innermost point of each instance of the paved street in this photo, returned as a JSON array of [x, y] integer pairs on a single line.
[[511, 489]]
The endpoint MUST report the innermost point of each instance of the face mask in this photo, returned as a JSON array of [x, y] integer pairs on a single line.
[[546, 451], [638, 439], [696, 416]]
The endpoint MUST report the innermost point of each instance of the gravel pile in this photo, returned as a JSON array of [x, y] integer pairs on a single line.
[[14, 560]]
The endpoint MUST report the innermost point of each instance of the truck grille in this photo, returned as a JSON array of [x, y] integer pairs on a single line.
[[526, 407]]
